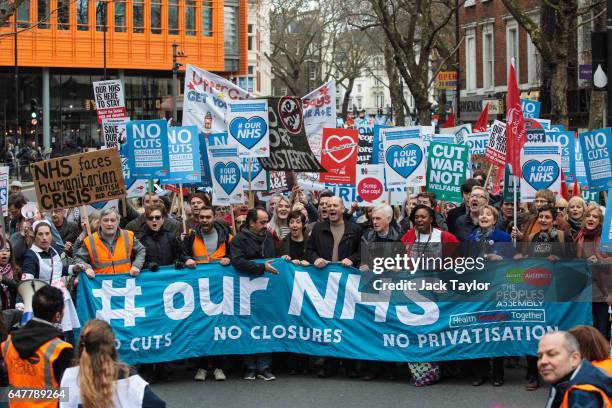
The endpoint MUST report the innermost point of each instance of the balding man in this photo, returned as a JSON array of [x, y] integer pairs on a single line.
[[575, 382]]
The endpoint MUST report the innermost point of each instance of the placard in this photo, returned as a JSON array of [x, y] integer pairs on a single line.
[[279, 181], [447, 166], [4, 189], [147, 148], [378, 148], [565, 139], [495, 152], [478, 142], [606, 235], [247, 127], [226, 175], [509, 186], [80, 179], [531, 109], [319, 113], [459, 132], [404, 157], [113, 131], [370, 184], [366, 144], [184, 155], [339, 155], [259, 176], [597, 157], [110, 103], [541, 168]]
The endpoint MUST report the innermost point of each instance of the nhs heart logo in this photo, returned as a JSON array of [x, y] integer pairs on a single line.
[[404, 160], [227, 175], [256, 169], [540, 175], [248, 132]]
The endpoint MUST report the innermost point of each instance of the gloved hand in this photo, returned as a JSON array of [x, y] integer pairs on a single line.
[[179, 265], [154, 267]]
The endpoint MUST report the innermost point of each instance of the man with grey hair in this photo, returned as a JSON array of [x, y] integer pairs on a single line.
[[111, 250], [574, 382], [468, 222]]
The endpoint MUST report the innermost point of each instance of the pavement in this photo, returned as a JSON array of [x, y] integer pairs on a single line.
[[307, 391]]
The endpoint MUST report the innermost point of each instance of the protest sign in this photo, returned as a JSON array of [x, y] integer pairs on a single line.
[[258, 176], [366, 148], [565, 139], [247, 126], [478, 142], [496, 148], [319, 113], [446, 170], [545, 123], [184, 155], [215, 310], [531, 109], [509, 186], [370, 184], [80, 179], [536, 133], [541, 167], [110, 103], [378, 148], [557, 127], [580, 169], [279, 181], [226, 175], [289, 149], [4, 189], [597, 155], [606, 235], [113, 131], [459, 132], [147, 148], [404, 158], [205, 99], [339, 155]]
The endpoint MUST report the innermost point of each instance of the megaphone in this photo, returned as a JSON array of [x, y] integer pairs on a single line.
[[26, 290]]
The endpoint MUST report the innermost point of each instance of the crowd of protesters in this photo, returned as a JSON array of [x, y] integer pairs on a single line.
[[306, 229]]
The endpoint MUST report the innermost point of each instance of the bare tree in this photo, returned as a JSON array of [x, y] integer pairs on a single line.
[[553, 37], [7, 9]]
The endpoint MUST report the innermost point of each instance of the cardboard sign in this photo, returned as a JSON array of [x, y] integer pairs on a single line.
[[110, 103], [80, 179], [404, 157], [531, 109], [247, 127], [447, 166], [370, 184], [226, 175], [4, 189], [147, 148], [496, 148], [541, 168], [113, 131], [606, 234], [366, 144], [596, 151], [184, 155], [565, 139], [289, 149], [319, 113], [205, 100], [339, 155]]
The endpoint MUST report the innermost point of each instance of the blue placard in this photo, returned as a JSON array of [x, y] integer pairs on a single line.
[[566, 141], [596, 146], [184, 155], [606, 234], [378, 150], [531, 109], [147, 148]]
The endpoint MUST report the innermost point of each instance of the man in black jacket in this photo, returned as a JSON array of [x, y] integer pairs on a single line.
[[334, 240], [209, 241], [255, 242]]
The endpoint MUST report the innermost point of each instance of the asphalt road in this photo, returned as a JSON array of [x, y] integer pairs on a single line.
[[307, 391]]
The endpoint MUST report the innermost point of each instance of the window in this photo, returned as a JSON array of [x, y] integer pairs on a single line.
[[138, 16], [43, 13], [155, 16], [283, 91], [469, 3], [512, 44], [23, 14], [251, 37], [101, 15], [190, 13], [251, 69], [470, 60], [63, 14], [207, 18], [533, 64], [488, 60], [173, 17], [230, 14], [119, 16], [358, 88], [359, 103], [82, 15]]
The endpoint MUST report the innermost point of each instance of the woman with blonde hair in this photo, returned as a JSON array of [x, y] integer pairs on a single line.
[[101, 380], [576, 211], [279, 222]]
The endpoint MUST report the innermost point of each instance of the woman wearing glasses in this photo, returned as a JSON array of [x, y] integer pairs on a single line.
[[162, 247]]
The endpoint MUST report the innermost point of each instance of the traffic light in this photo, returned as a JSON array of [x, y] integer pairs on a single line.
[[34, 111]]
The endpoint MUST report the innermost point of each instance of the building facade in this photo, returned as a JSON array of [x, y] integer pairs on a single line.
[[62, 46]]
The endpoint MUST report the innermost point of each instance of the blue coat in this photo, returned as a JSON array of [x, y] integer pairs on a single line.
[[497, 237]]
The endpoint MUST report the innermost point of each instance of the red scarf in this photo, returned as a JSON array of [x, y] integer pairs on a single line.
[[591, 235]]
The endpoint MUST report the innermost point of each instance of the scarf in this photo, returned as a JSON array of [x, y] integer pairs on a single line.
[[483, 240], [593, 236]]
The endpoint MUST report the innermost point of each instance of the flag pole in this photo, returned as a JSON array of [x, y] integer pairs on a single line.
[[515, 200]]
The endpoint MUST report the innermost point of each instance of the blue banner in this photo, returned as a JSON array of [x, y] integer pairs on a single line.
[[184, 155], [214, 310], [147, 148], [596, 152], [531, 109]]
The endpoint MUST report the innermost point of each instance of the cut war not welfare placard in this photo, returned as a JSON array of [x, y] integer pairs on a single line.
[[446, 170]]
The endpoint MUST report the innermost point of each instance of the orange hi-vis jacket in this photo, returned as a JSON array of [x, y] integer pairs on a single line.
[[607, 401], [34, 372], [200, 253], [105, 263]]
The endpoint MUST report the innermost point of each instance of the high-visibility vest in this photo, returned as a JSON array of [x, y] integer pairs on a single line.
[[605, 365], [33, 372], [102, 261], [607, 402], [200, 253]]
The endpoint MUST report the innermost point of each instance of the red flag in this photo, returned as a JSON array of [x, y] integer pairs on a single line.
[[483, 120], [564, 192], [450, 121], [497, 185], [516, 136], [576, 192]]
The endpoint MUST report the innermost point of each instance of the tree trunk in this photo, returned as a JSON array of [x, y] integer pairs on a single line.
[[395, 86], [347, 95], [423, 107], [558, 93]]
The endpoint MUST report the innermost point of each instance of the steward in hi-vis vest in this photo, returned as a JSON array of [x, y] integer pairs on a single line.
[[209, 242]]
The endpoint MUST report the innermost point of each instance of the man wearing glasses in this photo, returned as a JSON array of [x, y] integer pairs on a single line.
[[468, 222]]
